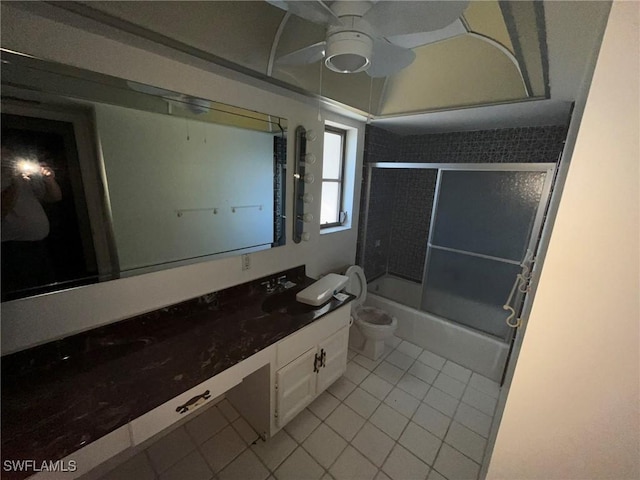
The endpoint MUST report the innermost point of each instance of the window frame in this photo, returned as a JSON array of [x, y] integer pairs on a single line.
[[340, 180]]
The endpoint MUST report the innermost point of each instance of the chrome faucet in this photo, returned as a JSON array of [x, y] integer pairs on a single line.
[[270, 285], [275, 284]]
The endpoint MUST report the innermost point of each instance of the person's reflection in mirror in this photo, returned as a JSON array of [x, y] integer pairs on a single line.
[[25, 184]]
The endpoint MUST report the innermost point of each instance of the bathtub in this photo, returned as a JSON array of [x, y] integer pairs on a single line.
[[481, 353]]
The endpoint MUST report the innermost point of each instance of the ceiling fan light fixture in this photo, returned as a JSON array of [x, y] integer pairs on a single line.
[[348, 52]]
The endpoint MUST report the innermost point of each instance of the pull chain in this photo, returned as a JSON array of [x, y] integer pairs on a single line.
[[370, 96], [320, 92]]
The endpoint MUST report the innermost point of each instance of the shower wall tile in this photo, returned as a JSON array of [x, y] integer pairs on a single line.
[[400, 206], [381, 145], [506, 145], [362, 222], [380, 215], [411, 218]]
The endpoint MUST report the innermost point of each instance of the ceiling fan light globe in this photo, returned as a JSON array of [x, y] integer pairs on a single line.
[[347, 63], [348, 52]]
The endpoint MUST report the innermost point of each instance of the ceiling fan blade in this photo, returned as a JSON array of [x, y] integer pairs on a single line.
[[314, 11], [402, 17], [388, 58], [413, 40], [304, 56]]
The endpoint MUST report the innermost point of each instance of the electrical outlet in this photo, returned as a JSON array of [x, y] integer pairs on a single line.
[[246, 261]]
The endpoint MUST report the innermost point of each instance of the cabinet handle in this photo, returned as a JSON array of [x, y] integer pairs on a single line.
[[315, 363], [192, 402], [323, 356]]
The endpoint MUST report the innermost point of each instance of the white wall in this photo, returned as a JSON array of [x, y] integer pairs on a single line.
[[31, 321], [573, 407]]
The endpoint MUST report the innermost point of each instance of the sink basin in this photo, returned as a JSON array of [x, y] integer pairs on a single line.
[[286, 303]]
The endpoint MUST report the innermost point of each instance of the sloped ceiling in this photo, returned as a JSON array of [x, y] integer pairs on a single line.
[[470, 69], [499, 53], [242, 32], [455, 73]]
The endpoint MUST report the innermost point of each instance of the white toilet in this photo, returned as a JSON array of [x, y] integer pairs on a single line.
[[372, 325]]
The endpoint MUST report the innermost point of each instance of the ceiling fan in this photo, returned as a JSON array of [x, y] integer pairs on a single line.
[[360, 34]]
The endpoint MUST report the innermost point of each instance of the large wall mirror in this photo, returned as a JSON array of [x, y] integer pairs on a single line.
[[104, 178]]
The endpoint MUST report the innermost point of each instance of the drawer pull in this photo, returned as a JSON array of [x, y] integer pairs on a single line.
[[323, 356], [193, 402]]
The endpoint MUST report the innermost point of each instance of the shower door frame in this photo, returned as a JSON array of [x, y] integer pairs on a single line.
[[550, 168], [534, 235]]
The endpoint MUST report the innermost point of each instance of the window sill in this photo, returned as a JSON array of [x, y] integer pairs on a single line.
[[341, 228]]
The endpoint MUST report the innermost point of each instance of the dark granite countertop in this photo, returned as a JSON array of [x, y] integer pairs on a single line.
[[61, 396]]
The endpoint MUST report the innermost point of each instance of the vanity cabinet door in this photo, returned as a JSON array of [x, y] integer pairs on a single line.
[[295, 387], [333, 352]]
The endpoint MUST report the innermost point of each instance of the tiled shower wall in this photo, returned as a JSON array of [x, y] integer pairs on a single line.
[[379, 217], [399, 210], [410, 221], [380, 146], [506, 145]]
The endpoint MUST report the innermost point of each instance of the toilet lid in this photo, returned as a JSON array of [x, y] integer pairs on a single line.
[[357, 284]]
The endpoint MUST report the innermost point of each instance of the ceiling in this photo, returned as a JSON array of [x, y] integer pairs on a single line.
[[529, 53]]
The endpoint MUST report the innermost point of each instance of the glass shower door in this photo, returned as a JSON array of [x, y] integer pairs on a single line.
[[483, 224]]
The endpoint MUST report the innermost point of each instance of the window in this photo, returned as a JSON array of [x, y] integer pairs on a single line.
[[332, 213]]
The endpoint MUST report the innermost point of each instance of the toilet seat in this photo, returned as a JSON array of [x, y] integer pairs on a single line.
[[357, 285], [374, 316]]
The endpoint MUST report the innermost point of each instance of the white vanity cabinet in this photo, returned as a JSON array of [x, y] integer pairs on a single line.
[[308, 362]]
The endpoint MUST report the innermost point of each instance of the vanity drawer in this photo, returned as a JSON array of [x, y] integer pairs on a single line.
[[299, 342], [153, 422]]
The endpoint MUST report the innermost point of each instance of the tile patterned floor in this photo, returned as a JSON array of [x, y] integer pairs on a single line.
[[411, 415]]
